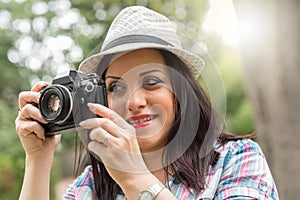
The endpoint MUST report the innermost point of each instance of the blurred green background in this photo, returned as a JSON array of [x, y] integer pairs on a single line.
[[39, 39]]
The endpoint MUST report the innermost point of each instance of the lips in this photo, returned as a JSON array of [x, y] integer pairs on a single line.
[[141, 120]]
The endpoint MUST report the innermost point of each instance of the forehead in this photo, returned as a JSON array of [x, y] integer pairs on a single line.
[[138, 59]]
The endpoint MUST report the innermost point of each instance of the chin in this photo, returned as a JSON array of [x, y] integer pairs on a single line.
[[148, 145]]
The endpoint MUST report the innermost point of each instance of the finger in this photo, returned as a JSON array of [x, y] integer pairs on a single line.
[[39, 86], [104, 123], [109, 114], [100, 135], [97, 148], [27, 97], [111, 157], [26, 128], [33, 95], [30, 112]]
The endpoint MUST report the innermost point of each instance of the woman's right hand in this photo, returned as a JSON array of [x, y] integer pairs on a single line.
[[29, 129]]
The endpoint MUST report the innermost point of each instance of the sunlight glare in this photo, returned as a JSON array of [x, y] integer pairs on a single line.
[[221, 20]]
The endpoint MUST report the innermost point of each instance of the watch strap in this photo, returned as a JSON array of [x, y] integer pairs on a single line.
[[156, 189]]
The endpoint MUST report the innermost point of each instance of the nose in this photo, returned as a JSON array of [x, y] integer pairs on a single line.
[[137, 100]]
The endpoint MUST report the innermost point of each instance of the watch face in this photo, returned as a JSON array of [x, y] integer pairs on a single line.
[[146, 195]]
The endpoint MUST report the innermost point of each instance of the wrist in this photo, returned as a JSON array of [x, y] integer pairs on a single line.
[[139, 182], [151, 192], [39, 162]]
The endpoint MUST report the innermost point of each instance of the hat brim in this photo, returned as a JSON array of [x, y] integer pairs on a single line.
[[194, 62]]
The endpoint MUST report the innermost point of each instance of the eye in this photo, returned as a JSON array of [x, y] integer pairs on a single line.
[[151, 81], [116, 87]]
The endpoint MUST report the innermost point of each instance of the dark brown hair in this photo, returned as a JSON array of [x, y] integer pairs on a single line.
[[191, 167]]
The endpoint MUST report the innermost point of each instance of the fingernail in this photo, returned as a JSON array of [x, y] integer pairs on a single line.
[[42, 137], [82, 124], [43, 120], [92, 106], [91, 146]]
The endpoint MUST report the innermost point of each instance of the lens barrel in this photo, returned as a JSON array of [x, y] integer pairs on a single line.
[[56, 104]]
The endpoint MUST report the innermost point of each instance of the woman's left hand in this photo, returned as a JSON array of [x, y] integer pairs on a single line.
[[114, 141]]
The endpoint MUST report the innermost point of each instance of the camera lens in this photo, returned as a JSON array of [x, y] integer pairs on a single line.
[[56, 104]]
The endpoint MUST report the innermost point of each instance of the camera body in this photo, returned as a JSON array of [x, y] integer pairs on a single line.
[[63, 104]]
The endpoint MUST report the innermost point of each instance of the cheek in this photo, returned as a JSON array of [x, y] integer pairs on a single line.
[[163, 97], [170, 111], [116, 105], [166, 100]]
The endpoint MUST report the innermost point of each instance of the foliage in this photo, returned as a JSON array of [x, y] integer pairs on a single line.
[[239, 117], [39, 39]]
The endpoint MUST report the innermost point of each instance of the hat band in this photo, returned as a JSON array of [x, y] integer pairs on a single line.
[[128, 39]]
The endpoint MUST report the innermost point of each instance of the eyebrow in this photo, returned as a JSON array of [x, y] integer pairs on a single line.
[[141, 74], [113, 77], [150, 71]]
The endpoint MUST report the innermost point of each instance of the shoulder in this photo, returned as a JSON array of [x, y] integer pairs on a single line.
[[244, 171], [83, 186], [244, 152], [238, 152], [238, 146], [239, 158]]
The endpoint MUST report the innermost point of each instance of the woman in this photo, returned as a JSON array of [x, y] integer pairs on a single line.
[[158, 138]]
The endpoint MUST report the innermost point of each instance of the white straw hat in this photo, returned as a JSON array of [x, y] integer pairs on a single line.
[[137, 27]]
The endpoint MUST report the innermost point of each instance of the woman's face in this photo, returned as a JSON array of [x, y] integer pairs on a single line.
[[139, 89]]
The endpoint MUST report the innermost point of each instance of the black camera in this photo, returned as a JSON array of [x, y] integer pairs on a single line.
[[63, 104]]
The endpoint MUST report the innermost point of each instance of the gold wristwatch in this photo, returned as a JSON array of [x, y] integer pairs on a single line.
[[151, 192]]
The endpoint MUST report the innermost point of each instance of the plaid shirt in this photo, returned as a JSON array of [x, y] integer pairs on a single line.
[[240, 173]]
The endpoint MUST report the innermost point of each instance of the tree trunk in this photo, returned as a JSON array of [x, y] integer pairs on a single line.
[[271, 49]]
